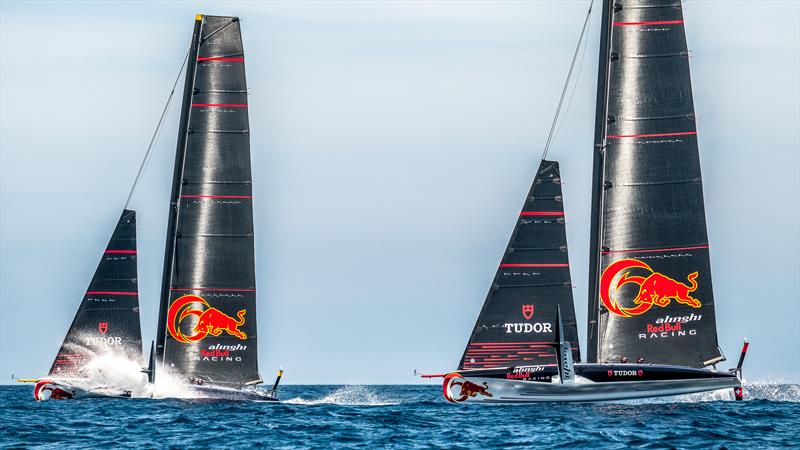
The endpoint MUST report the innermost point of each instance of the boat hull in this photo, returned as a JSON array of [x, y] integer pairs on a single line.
[[593, 383], [225, 393], [69, 390]]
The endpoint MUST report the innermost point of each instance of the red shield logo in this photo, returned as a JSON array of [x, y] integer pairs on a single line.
[[102, 327], [527, 311]]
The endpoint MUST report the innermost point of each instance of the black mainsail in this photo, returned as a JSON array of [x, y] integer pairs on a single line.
[[207, 319], [650, 296], [107, 321], [516, 325]]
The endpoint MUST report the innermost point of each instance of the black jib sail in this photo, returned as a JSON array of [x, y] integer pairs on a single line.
[[207, 321], [107, 321], [517, 325], [650, 293]]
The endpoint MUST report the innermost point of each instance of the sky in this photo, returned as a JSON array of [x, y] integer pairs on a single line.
[[392, 144]]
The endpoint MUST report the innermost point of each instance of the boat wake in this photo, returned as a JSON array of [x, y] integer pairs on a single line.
[[347, 395], [110, 370], [118, 373], [772, 390], [167, 385]]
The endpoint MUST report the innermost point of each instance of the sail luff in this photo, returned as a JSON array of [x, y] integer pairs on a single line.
[[597, 181], [180, 152]]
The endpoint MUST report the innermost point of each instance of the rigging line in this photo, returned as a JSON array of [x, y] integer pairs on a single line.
[[156, 132], [574, 87], [566, 83]]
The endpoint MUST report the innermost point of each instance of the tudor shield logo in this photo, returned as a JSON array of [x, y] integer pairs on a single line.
[[210, 320], [527, 312], [654, 288], [102, 327]]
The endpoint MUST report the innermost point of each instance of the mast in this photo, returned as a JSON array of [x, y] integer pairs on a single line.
[[180, 152], [601, 118]]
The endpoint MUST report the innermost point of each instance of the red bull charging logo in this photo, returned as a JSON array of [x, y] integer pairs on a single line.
[[654, 289], [209, 320], [457, 388]]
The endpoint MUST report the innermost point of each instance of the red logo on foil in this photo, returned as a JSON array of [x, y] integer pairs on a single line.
[[102, 327], [654, 289], [466, 388]]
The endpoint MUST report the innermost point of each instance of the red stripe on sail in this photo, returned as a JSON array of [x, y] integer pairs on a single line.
[[227, 105], [120, 252], [656, 250], [681, 133], [223, 59], [541, 213], [212, 289], [111, 293], [534, 265], [656, 22], [216, 196], [504, 349]]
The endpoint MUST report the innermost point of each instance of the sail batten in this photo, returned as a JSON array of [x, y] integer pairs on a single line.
[[517, 322], [651, 296], [208, 310]]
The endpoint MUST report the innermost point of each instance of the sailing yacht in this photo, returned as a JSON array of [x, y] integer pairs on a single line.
[[207, 334], [105, 326], [651, 323]]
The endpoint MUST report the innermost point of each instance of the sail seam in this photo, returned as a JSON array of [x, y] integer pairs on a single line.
[[534, 265], [660, 183], [696, 247], [219, 131], [212, 289], [502, 286], [653, 22], [679, 133]]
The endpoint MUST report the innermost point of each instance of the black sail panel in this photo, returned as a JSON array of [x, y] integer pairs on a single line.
[[107, 321], [654, 292], [209, 316], [517, 323]]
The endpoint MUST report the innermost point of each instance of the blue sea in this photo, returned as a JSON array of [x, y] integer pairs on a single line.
[[401, 417]]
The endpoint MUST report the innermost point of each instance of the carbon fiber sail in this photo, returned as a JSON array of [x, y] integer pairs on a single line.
[[650, 296], [207, 321], [107, 321], [517, 324]]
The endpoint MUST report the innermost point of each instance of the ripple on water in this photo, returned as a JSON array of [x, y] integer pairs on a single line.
[[402, 416]]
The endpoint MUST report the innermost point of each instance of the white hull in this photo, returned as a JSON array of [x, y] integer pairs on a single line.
[[494, 390], [225, 393], [51, 389]]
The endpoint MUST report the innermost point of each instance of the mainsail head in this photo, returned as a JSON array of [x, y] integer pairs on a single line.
[[516, 325], [107, 321], [207, 322], [650, 283]]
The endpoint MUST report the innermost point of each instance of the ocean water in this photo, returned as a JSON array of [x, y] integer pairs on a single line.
[[403, 417]]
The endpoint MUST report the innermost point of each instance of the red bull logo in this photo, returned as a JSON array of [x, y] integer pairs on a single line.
[[209, 320], [654, 289], [46, 389], [466, 389]]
